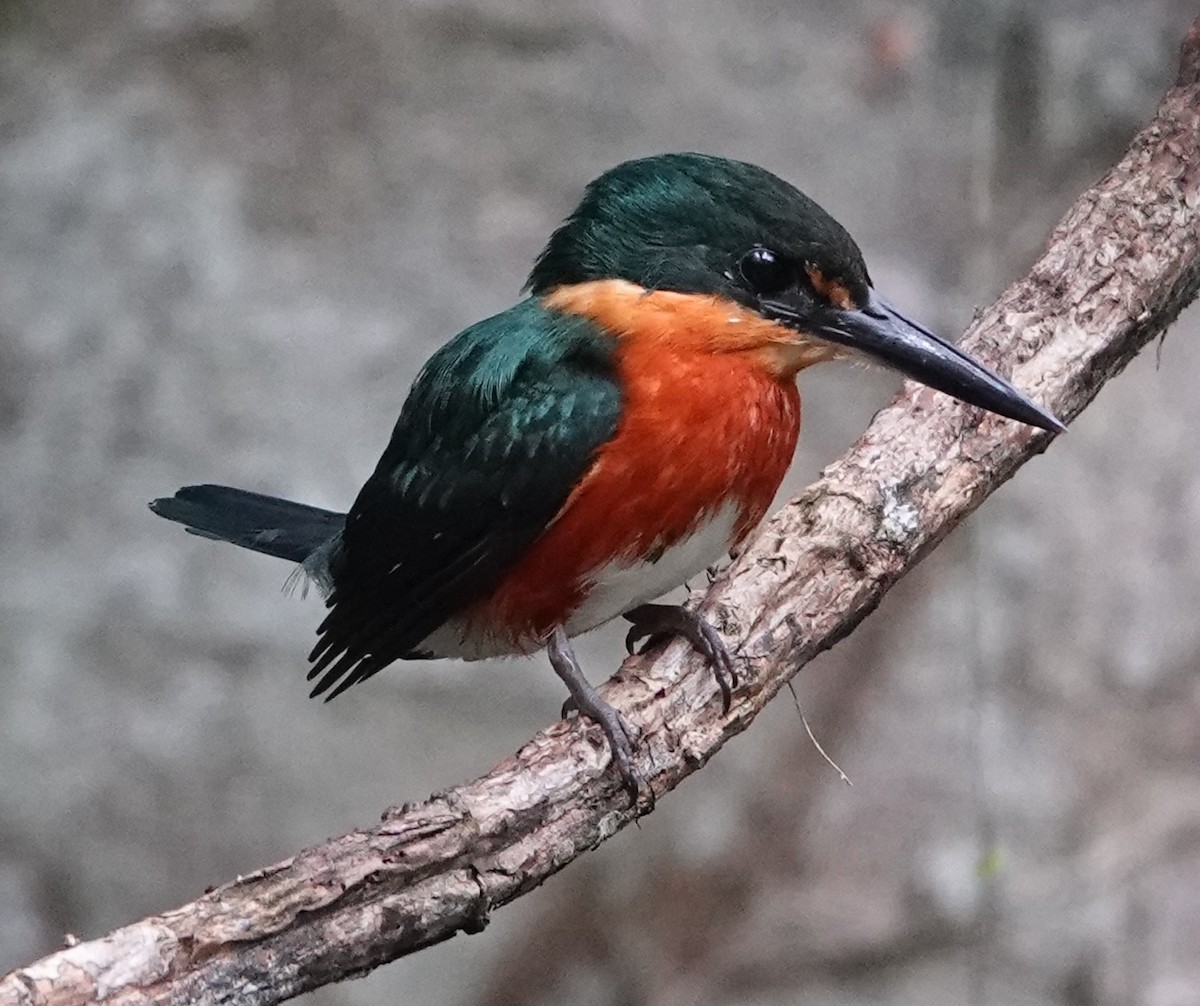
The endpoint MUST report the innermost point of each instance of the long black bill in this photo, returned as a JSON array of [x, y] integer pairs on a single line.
[[884, 334]]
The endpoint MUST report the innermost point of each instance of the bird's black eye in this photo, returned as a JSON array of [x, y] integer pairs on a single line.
[[766, 272]]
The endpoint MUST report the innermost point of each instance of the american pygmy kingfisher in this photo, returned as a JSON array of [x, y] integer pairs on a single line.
[[610, 436]]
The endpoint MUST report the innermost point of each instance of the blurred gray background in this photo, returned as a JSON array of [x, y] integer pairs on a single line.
[[233, 230]]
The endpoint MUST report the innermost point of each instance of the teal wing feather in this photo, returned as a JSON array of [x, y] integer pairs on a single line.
[[499, 427]]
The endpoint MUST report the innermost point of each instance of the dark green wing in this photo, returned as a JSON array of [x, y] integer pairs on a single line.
[[499, 427]]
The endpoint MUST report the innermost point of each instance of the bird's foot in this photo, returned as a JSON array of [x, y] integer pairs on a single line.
[[586, 700], [657, 622]]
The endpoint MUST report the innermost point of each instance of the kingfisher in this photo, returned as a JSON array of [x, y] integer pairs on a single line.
[[618, 431]]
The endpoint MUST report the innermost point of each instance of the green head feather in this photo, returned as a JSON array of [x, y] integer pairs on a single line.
[[682, 222]]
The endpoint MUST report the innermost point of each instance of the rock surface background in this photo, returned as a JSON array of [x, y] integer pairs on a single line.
[[233, 230]]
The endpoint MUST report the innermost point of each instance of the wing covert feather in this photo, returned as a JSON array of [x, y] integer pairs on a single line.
[[498, 428]]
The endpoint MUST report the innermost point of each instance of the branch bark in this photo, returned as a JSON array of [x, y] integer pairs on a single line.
[[1117, 271]]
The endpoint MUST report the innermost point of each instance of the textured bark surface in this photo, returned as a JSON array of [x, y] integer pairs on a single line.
[[1117, 271]]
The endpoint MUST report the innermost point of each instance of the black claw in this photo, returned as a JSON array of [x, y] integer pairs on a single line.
[[631, 640], [637, 633], [657, 621], [586, 700], [622, 746]]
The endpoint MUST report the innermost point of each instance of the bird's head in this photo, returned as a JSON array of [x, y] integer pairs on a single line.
[[734, 235]]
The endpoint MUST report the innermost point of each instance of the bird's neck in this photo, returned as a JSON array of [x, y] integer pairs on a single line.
[[673, 323]]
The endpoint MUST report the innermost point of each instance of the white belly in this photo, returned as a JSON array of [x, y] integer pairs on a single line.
[[614, 588], [622, 585]]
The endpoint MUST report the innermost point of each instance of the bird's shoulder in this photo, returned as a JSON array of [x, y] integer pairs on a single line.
[[527, 384]]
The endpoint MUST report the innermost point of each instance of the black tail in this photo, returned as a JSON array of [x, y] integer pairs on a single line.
[[277, 527]]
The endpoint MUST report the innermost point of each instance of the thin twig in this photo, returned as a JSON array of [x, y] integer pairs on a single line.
[[812, 737]]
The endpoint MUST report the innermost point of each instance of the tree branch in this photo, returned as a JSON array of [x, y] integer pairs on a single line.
[[1117, 271]]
